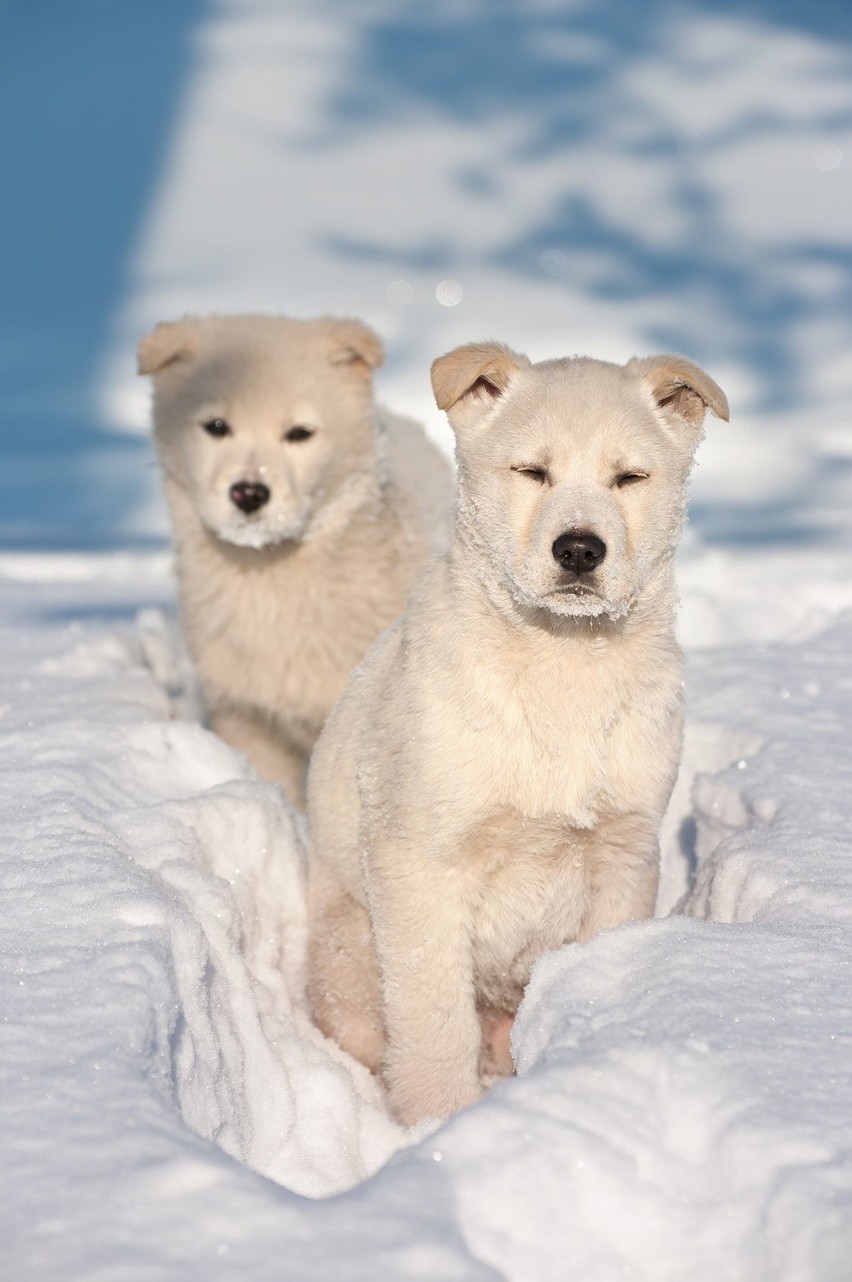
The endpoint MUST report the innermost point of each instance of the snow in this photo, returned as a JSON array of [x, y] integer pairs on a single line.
[[566, 178], [683, 1089]]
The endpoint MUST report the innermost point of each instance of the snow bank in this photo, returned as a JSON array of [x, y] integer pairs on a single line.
[[683, 1101], [197, 871], [703, 1060]]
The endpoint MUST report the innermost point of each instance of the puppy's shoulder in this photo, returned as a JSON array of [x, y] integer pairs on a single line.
[[417, 474]]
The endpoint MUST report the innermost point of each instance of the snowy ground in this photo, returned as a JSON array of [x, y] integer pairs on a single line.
[[592, 178]]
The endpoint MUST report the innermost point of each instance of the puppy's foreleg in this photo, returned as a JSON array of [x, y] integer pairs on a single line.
[[623, 867], [343, 981], [421, 928], [267, 751]]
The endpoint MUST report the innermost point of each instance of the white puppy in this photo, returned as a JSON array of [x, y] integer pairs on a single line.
[[492, 782], [301, 517]]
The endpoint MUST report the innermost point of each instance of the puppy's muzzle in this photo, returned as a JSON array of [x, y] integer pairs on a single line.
[[578, 552], [248, 496]]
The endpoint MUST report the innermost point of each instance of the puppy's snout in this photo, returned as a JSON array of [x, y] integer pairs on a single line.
[[248, 496], [579, 552]]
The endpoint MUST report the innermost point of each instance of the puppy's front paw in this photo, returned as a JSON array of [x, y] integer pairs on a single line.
[[420, 1091]]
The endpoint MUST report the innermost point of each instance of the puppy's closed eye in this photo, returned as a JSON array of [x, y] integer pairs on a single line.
[[630, 478], [537, 474]]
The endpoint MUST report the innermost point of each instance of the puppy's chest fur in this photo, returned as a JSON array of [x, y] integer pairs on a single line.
[[281, 637], [552, 735], [528, 894], [558, 791]]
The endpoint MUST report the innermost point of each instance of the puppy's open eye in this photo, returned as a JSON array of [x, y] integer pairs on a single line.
[[537, 474], [630, 478], [299, 433], [216, 427]]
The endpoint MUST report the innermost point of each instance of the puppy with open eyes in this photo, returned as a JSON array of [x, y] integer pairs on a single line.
[[301, 516], [491, 784]]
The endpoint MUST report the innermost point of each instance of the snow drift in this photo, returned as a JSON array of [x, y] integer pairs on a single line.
[[683, 1098]]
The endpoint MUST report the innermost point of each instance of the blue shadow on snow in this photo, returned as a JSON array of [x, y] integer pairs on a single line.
[[88, 96]]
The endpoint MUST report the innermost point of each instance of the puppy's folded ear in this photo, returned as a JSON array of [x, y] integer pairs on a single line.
[[680, 388], [469, 380], [168, 342], [353, 343]]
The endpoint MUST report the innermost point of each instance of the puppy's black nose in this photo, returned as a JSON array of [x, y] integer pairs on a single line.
[[249, 495], [579, 552]]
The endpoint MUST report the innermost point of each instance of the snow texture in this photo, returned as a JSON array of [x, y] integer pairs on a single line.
[[603, 179], [683, 1098]]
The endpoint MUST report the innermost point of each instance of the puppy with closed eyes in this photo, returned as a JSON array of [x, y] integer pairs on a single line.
[[491, 784], [301, 516]]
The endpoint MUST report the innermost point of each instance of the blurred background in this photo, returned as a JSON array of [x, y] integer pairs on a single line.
[[605, 178]]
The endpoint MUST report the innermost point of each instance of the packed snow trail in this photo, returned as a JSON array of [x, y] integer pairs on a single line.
[[683, 1100]]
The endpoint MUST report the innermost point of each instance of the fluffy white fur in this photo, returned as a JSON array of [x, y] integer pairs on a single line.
[[492, 782], [279, 604]]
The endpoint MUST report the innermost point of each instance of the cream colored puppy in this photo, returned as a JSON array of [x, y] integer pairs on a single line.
[[301, 517], [492, 782]]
